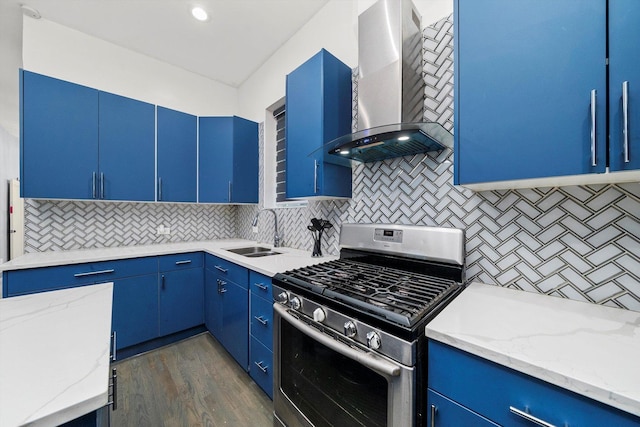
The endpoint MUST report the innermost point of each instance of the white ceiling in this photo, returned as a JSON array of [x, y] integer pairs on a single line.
[[239, 36]]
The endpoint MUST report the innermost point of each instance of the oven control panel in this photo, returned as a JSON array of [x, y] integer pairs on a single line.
[[387, 235]]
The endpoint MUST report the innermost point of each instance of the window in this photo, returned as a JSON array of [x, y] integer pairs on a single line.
[[275, 159]]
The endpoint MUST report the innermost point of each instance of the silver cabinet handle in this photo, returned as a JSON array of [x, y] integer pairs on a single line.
[[113, 346], [593, 128], [625, 119], [114, 389], [229, 191], [261, 286], [261, 366], [261, 320], [93, 186], [315, 177], [159, 188], [224, 270], [186, 261], [434, 409], [374, 363], [221, 282], [102, 185], [163, 281], [529, 417], [94, 273]]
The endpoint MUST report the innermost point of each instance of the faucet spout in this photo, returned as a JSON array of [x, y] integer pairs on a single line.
[[277, 239]]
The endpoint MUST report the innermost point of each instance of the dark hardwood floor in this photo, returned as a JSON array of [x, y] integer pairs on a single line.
[[194, 382]]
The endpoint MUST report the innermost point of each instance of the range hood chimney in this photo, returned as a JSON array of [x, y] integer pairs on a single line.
[[390, 88]]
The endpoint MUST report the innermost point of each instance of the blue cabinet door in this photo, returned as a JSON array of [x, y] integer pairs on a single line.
[[228, 160], [624, 66], [126, 149], [235, 329], [181, 300], [212, 304], [135, 310], [177, 156], [59, 138], [244, 188], [524, 75], [216, 159], [318, 109], [261, 367]]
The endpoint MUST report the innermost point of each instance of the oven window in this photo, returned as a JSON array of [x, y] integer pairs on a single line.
[[329, 388]]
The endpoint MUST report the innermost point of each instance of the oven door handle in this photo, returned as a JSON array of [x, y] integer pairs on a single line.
[[379, 365]]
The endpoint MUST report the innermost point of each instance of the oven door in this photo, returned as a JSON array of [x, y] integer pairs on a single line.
[[323, 381]]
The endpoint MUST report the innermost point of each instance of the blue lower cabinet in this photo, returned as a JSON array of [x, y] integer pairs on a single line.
[[235, 322], [181, 300], [491, 390], [261, 367], [135, 310]]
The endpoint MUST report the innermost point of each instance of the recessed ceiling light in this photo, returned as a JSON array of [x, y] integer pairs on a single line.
[[30, 12], [403, 138], [199, 13]]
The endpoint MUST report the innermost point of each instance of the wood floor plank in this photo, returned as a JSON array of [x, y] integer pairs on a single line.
[[191, 383]]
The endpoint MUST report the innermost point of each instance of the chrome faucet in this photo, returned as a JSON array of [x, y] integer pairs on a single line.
[[276, 237]]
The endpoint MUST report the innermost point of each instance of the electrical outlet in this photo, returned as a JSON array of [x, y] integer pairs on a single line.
[[254, 229], [167, 230]]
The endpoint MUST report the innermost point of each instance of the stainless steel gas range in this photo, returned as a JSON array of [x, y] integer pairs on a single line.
[[349, 344]]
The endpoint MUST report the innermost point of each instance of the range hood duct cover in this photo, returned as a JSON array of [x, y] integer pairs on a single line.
[[390, 89]]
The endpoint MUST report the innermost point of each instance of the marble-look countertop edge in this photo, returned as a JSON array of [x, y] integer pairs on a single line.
[[565, 376], [289, 258]]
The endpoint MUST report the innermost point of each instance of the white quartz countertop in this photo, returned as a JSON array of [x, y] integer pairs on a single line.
[[269, 265], [589, 349], [54, 355]]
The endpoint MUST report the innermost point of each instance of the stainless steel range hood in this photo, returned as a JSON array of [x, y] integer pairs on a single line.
[[390, 88]]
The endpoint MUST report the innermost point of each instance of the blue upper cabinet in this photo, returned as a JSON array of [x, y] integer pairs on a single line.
[[126, 149], [59, 138], [318, 110], [624, 84], [177, 156], [228, 160], [526, 76]]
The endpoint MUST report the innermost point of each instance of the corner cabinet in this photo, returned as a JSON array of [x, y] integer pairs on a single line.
[[228, 160], [318, 103], [531, 95], [77, 142], [177, 156], [465, 390]]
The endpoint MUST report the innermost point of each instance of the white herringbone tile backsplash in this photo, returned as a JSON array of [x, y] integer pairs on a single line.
[[579, 242]]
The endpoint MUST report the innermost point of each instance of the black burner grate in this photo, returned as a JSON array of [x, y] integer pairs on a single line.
[[400, 296]]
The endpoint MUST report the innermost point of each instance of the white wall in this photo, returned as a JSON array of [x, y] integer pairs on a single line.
[[334, 28], [62, 52], [10, 62]]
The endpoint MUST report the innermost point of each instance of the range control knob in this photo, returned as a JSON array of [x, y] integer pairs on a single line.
[[373, 340], [319, 315], [295, 303], [283, 298], [350, 329]]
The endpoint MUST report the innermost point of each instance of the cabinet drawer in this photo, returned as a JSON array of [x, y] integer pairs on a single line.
[[260, 285], [20, 282], [491, 389], [261, 366], [228, 270], [180, 261], [262, 320], [447, 413]]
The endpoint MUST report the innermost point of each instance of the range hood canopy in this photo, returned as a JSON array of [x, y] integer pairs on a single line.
[[390, 89]]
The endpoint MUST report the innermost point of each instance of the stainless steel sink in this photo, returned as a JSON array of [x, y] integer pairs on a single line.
[[253, 251]]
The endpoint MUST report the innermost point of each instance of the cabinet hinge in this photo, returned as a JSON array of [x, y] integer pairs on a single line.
[[606, 61]]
